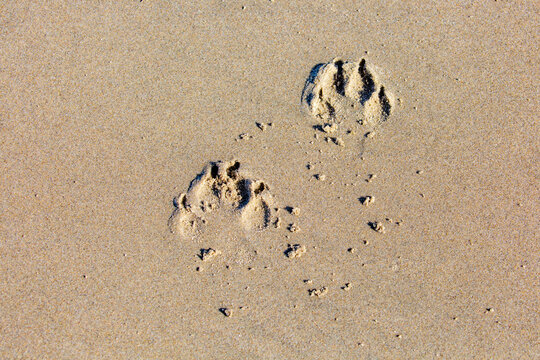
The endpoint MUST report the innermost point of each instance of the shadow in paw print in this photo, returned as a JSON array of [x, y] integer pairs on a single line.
[[310, 81]]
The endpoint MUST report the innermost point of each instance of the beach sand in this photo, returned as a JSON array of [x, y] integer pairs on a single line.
[[269, 180]]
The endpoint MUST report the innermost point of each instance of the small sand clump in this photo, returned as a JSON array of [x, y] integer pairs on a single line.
[[226, 311], [293, 228], [366, 200], [346, 287], [377, 226], [318, 292], [208, 254], [295, 251]]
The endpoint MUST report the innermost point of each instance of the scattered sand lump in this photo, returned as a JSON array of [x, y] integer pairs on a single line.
[[293, 210], [338, 141], [329, 128], [263, 126], [339, 85], [244, 136], [293, 227], [207, 254], [318, 292], [377, 226], [222, 186], [366, 200], [226, 311], [370, 134], [295, 251]]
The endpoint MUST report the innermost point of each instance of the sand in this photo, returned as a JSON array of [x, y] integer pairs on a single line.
[[153, 153]]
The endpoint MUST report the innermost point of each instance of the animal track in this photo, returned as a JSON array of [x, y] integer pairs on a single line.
[[336, 87], [221, 186]]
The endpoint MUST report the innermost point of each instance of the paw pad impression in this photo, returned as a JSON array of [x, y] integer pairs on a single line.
[[222, 186], [335, 87]]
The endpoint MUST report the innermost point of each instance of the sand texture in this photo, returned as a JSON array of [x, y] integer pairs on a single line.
[[269, 179]]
